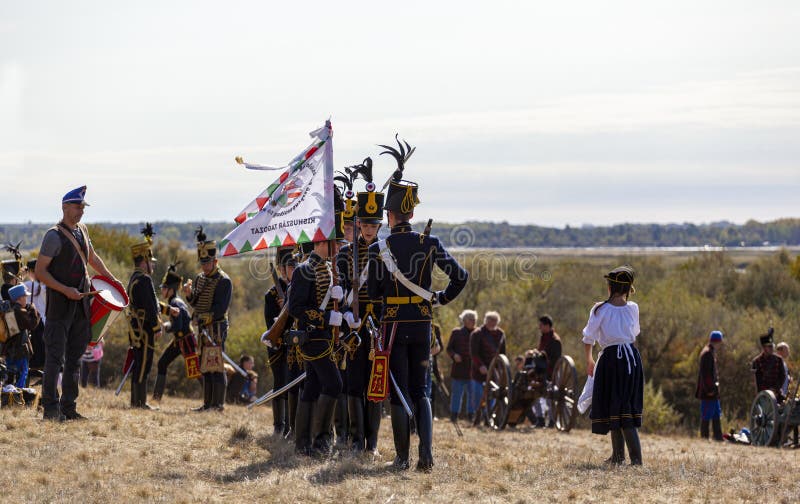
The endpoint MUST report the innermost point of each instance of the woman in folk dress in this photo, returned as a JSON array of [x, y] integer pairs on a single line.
[[618, 376]]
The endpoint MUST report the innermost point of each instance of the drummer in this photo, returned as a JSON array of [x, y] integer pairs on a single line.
[[62, 266]]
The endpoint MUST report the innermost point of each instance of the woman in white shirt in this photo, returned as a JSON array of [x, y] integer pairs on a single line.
[[618, 378]]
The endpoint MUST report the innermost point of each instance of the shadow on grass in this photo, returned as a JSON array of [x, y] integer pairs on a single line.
[[282, 458]]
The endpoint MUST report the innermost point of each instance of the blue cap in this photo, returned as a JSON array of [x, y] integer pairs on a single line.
[[17, 292], [75, 196], [715, 336]]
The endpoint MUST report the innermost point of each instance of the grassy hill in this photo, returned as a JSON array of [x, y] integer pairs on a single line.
[[172, 455]]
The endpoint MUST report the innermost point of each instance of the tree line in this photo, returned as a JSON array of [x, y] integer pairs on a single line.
[[782, 232]]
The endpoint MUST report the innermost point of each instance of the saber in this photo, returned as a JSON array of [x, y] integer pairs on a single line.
[[234, 365], [401, 396], [124, 377], [273, 394]]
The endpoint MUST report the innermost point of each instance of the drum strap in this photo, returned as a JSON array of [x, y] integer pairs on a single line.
[[63, 229]]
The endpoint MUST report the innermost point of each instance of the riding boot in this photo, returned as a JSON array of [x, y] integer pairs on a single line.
[[355, 412], [143, 397], [158, 390], [207, 388], [717, 426], [425, 431], [218, 394], [341, 420], [302, 428], [373, 426], [278, 419], [292, 415], [617, 448], [401, 434], [704, 429], [634, 448], [134, 395], [321, 420]]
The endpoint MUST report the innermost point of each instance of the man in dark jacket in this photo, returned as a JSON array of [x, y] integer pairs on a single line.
[[768, 370], [485, 343], [708, 387], [458, 350], [550, 344]]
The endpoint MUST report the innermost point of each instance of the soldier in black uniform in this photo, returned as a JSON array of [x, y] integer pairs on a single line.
[[294, 359], [179, 326], [311, 303], [210, 297], [145, 324], [273, 304], [407, 307], [364, 415]]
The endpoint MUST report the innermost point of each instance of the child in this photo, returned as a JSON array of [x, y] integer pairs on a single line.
[[18, 348], [618, 378]]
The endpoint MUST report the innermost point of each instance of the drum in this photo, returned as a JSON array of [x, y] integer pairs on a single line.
[[106, 306]]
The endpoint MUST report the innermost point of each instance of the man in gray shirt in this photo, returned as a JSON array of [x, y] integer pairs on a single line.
[[62, 266]]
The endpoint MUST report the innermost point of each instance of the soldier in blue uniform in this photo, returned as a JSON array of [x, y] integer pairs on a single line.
[[407, 307], [143, 315], [210, 296], [273, 304], [364, 415], [311, 302], [179, 325]]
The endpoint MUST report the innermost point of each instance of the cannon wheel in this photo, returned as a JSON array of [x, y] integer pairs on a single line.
[[496, 401], [565, 392], [764, 419]]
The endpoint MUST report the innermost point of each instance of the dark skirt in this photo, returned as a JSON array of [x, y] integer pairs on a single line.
[[618, 390]]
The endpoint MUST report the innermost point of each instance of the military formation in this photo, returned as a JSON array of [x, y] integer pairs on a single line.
[[349, 325]]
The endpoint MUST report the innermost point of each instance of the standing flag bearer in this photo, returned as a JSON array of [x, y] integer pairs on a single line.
[[143, 311], [400, 270], [314, 302], [364, 415]]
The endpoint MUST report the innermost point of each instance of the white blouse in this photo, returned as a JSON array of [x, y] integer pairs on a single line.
[[612, 325]]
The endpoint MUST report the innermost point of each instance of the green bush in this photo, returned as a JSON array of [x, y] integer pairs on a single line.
[[659, 416]]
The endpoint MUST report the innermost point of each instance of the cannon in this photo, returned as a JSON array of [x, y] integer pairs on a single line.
[[507, 400], [771, 421]]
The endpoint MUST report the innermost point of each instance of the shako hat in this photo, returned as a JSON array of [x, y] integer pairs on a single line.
[[144, 250], [370, 202], [346, 188], [172, 280], [12, 267], [402, 194], [766, 339], [206, 249], [284, 256]]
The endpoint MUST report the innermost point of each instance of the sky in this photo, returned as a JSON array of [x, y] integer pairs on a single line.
[[548, 113]]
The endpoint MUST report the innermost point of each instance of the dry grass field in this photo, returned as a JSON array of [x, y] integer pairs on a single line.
[[175, 455]]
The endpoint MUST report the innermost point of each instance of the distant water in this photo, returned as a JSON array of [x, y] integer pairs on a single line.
[[623, 250]]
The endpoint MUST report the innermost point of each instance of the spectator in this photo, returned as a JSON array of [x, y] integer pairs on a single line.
[[783, 351], [458, 350], [90, 365], [38, 300], [17, 348], [708, 387], [550, 344], [485, 343], [242, 390]]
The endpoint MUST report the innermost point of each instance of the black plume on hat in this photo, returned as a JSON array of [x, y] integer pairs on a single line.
[[14, 249], [201, 236], [148, 232], [401, 156], [363, 170]]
